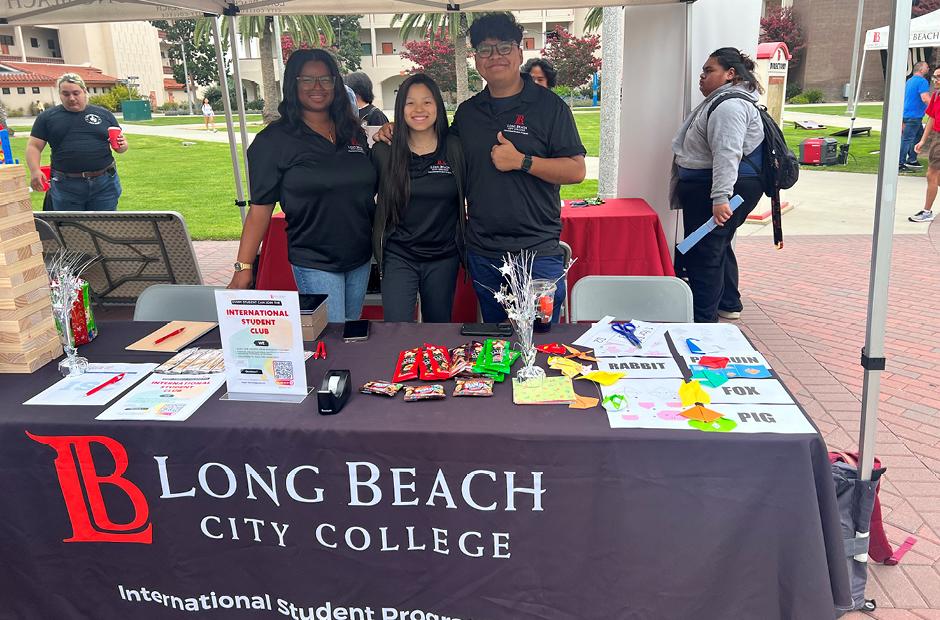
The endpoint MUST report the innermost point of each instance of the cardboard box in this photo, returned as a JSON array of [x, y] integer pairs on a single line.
[[312, 322]]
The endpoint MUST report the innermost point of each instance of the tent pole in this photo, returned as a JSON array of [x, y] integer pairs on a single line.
[[858, 94], [239, 96], [278, 54], [227, 106], [857, 51], [873, 355]]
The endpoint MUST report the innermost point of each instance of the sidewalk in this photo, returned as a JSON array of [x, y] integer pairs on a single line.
[[805, 307]]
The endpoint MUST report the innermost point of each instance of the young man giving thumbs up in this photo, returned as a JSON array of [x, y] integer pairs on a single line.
[[521, 144]]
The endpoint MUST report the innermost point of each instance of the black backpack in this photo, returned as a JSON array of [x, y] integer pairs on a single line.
[[781, 168]]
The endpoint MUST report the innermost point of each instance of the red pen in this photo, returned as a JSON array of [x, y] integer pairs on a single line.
[[170, 335], [110, 381]]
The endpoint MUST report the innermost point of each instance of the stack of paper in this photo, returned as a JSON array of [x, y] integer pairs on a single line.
[[548, 391]]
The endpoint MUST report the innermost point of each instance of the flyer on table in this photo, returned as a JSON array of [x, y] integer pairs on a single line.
[[169, 398], [261, 342]]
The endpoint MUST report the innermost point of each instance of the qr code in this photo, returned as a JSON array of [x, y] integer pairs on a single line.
[[284, 372]]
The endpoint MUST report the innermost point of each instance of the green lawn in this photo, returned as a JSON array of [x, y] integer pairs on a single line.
[[159, 174], [188, 120], [861, 158], [865, 110]]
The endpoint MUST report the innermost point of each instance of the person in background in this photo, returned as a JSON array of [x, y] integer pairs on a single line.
[[314, 161], [420, 198], [360, 83], [208, 115], [84, 176], [541, 71], [916, 98], [931, 142], [718, 154]]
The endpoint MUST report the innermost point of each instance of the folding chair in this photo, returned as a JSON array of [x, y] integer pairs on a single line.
[[565, 312], [177, 302], [646, 298]]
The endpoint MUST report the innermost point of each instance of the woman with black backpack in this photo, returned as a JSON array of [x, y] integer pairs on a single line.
[[718, 154]]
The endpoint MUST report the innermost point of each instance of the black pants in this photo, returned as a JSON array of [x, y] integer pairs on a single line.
[[710, 265], [403, 280]]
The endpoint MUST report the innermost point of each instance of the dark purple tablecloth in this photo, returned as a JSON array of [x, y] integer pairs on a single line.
[[628, 524]]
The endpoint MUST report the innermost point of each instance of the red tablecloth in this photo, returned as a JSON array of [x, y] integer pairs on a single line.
[[621, 237]]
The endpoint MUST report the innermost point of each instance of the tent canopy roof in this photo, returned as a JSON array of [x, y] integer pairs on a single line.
[[86, 11], [925, 32]]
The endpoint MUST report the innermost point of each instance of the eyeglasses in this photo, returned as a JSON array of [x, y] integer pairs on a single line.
[[308, 81], [485, 50]]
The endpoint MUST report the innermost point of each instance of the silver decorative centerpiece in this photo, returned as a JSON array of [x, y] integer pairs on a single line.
[[519, 298], [65, 269]]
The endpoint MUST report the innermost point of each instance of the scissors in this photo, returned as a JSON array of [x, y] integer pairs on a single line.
[[627, 329]]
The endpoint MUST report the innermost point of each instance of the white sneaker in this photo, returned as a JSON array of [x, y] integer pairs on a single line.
[[731, 316], [922, 216]]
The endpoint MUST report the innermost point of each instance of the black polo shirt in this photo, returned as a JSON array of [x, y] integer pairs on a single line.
[[79, 140], [326, 192], [512, 211], [427, 230]]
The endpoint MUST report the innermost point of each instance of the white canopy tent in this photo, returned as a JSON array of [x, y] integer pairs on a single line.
[[675, 33]]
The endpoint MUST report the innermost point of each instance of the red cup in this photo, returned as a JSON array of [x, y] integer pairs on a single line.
[[113, 133]]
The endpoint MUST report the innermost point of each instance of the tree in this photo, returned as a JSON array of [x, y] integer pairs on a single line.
[[346, 44], [782, 25], [924, 6], [312, 29], [594, 19], [433, 26], [574, 57], [200, 57]]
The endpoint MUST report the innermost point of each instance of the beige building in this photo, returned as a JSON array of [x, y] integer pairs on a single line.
[[381, 46], [122, 51]]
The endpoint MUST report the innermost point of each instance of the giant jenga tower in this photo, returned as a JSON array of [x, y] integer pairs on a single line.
[[28, 337]]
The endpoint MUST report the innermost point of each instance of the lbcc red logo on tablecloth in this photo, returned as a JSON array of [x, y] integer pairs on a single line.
[[81, 488]]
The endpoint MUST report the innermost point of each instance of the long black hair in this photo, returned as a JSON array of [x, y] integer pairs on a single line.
[[395, 186], [341, 110], [733, 58]]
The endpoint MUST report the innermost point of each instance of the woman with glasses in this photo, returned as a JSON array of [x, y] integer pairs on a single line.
[[421, 182], [314, 162], [719, 154]]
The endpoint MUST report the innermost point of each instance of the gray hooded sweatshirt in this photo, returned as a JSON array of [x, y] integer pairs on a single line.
[[718, 142]]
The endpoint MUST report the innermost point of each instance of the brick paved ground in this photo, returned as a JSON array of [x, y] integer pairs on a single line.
[[805, 309]]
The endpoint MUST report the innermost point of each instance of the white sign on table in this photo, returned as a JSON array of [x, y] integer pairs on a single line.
[[103, 381], [637, 367], [262, 345]]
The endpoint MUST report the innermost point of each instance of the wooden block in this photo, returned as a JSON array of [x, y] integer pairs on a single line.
[[28, 339], [30, 361], [23, 295], [23, 272], [15, 202], [20, 248], [16, 225], [26, 317]]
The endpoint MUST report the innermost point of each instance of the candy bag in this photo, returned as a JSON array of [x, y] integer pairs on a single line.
[[407, 368], [383, 388], [424, 392], [475, 386]]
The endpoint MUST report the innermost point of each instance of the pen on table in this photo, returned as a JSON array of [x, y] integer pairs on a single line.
[[110, 381], [170, 335]]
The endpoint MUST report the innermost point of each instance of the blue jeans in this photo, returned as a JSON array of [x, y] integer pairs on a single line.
[[345, 290], [100, 193], [911, 133], [485, 273]]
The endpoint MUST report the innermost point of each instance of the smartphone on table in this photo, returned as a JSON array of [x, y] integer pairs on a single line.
[[486, 329], [356, 331]]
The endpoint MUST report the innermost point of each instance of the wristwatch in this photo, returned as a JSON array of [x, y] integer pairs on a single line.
[[526, 163], [242, 266]]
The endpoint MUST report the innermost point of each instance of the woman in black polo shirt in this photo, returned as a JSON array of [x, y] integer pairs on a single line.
[[314, 162], [421, 179]]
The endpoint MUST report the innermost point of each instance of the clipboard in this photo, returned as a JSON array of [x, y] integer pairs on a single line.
[[192, 331]]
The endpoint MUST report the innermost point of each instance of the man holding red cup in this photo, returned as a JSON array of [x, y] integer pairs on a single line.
[[82, 136]]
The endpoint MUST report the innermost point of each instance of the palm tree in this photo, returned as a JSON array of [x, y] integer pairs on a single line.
[[594, 19], [435, 25], [314, 30]]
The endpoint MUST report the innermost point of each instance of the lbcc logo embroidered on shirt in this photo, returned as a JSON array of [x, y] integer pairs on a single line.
[[439, 167], [354, 146], [518, 126]]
